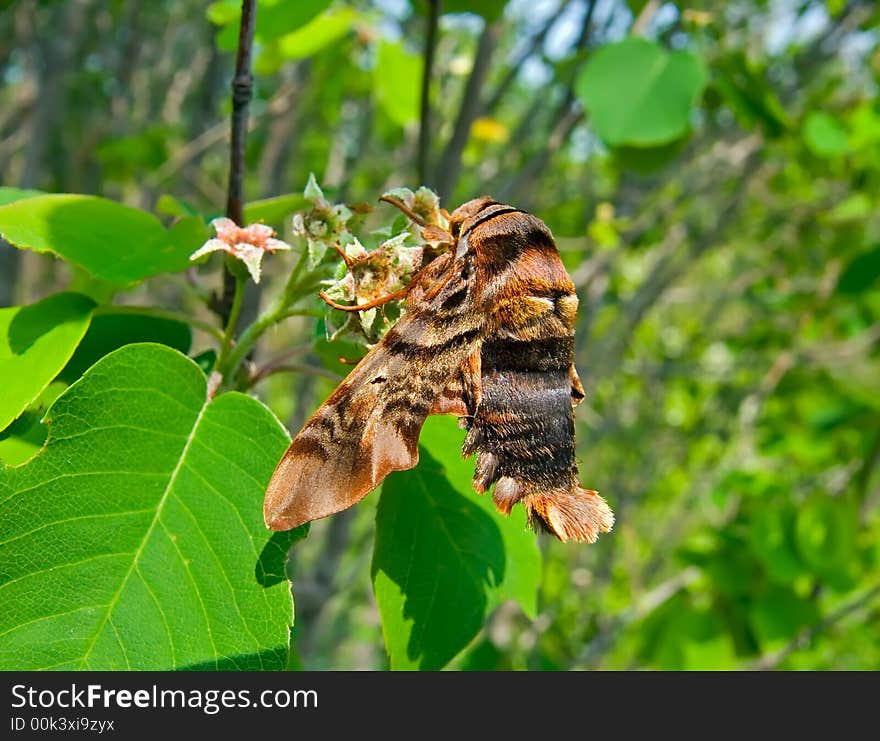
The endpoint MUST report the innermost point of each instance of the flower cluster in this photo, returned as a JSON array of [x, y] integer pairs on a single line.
[[325, 226], [366, 276]]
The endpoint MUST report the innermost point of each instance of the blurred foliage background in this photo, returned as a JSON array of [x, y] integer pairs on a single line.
[[711, 172]]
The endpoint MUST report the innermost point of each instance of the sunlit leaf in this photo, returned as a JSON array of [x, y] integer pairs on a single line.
[[113, 242], [397, 80], [824, 135], [326, 29], [10, 195], [134, 539], [442, 560], [639, 94]]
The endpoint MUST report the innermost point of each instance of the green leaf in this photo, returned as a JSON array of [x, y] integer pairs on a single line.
[[778, 615], [855, 207], [326, 29], [771, 537], [397, 81], [861, 273], [118, 326], [10, 195], [24, 437], [442, 437], [824, 136], [274, 211], [36, 342], [110, 241], [133, 540], [639, 94], [825, 532], [170, 205], [274, 19], [442, 560]]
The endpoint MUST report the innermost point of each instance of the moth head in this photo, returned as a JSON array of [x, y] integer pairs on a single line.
[[467, 210]]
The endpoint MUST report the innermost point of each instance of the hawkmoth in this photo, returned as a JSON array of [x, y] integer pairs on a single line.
[[487, 335]]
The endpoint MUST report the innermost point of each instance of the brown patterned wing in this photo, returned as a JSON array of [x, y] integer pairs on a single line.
[[370, 425]]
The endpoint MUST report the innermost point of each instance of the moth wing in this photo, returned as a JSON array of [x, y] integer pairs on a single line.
[[370, 425]]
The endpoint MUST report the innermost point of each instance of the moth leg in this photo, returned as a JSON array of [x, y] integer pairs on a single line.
[[396, 296], [577, 389]]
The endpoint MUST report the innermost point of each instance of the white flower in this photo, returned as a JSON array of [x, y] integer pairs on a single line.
[[247, 244]]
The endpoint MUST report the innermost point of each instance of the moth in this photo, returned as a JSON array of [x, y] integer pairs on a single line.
[[488, 336]]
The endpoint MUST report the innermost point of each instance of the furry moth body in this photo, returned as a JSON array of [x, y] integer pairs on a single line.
[[487, 336]]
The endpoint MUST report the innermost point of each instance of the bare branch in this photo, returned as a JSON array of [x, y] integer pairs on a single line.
[[471, 107], [427, 73], [242, 88], [803, 639]]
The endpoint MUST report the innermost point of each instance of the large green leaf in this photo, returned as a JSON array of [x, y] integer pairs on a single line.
[[134, 539], [396, 80], [443, 557], [36, 342], [639, 94], [115, 243]]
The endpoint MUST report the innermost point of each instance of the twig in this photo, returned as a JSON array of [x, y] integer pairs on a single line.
[[427, 73], [646, 605], [802, 640], [242, 86], [314, 370], [567, 115], [469, 110], [643, 20], [535, 43]]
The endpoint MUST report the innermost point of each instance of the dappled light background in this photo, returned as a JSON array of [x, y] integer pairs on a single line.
[[710, 171]]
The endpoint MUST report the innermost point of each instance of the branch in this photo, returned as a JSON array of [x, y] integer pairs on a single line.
[[513, 188], [566, 116], [640, 26], [661, 594], [535, 43], [802, 640], [242, 86], [314, 370], [470, 109], [427, 71]]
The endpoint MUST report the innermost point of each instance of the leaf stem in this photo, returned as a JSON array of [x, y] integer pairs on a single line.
[[298, 285], [234, 312]]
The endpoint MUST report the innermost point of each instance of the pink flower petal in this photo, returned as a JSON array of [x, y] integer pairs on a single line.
[[276, 244], [256, 233], [252, 257], [227, 229], [212, 245]]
